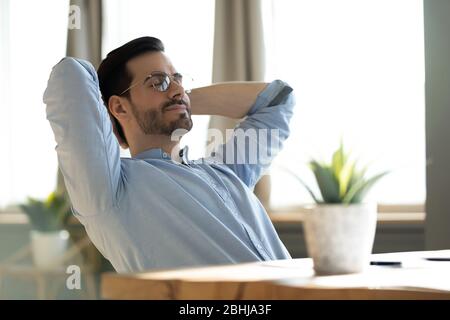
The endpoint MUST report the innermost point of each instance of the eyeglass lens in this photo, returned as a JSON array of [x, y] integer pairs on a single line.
[[161, 81]]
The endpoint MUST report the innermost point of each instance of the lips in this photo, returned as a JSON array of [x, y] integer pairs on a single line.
[[176, 107]]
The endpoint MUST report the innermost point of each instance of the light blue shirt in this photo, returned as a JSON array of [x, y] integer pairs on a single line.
[[149, 211]]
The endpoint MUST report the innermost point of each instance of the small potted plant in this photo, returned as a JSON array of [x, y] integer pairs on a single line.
[[48, 219], [340, 227]]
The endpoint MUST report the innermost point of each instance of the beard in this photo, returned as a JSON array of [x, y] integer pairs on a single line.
[[153, 122]]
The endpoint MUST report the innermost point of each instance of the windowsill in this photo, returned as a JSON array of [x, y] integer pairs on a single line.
[[284, 217], [387, 214], [383, 217], [19, 218], [13, 218]]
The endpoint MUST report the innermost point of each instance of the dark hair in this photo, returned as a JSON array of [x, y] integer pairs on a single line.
[[113, 75]]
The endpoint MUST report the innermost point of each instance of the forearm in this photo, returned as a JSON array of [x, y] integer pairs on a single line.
[[269, 118], [230, 99]]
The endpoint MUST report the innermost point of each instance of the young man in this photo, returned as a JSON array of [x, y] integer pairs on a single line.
[[158, 209]]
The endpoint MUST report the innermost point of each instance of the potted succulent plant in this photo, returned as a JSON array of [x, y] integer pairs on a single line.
[[340, 227], [48, 219]]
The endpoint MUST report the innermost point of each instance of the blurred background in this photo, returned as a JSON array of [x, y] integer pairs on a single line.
[[357, 67]]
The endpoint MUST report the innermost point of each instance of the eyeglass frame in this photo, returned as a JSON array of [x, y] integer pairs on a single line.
[[148, 77]]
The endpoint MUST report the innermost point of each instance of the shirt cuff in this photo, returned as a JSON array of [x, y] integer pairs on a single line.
[[273, 94]]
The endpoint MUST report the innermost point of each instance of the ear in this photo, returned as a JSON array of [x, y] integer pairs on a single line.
[[117, 108], [117, 111]]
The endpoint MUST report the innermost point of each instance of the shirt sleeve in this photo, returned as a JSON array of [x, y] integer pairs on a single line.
[[88, 152], [258, 139]]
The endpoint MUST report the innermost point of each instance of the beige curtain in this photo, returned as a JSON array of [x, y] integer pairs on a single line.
[[85, 43], [239, 56]]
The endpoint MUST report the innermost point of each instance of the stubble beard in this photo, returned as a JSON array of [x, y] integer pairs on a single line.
[[152, 121]]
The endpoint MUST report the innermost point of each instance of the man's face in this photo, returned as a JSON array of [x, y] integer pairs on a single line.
[[157, 112]]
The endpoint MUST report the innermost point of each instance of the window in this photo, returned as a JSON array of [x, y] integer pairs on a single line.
[[30, 45], [357, 68], [185, 27]]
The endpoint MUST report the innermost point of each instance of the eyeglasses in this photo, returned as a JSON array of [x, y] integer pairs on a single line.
[[160, 81]]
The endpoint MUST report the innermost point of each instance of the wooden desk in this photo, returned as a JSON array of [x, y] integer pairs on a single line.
[[289, 279]]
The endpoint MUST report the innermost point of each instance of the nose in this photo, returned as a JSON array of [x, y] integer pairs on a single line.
[[175, 89]]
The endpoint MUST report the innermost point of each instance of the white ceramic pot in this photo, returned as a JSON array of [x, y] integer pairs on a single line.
[[340, 238], [48, 248]]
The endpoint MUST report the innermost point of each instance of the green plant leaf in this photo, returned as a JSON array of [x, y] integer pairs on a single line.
[[327, 182], [360, 188], [345, 177], [356, 176], [338, 160], [50, 214], [315, 198]]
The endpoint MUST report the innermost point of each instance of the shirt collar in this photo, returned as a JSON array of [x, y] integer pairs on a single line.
[[158, 153]]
